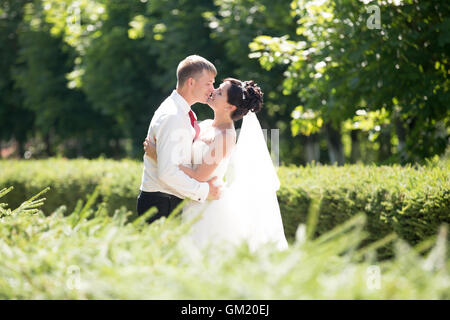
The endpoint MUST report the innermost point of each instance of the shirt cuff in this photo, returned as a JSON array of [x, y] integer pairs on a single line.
[[203, 192]]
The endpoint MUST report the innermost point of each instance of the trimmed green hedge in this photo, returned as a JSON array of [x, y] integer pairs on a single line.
[[411, 201], [71, 181]]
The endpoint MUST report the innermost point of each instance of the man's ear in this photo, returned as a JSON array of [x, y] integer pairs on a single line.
[[191, 82]]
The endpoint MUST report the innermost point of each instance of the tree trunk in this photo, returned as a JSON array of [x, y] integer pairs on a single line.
[[355, 153], [335, 147], [48, 147], [21, 148], [312, 148], [117, 149], [401, 135], [385, 144]]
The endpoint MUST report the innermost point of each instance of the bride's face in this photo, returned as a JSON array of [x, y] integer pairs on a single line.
[[219, 99]]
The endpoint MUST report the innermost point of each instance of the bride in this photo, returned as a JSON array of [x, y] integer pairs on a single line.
[[248, 207]]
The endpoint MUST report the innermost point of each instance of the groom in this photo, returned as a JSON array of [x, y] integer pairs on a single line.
[[174, 127]]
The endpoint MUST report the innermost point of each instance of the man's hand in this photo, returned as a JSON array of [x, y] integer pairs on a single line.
[[214, 191]]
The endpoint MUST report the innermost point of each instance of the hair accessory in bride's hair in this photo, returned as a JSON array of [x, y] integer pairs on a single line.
[[243, 90]]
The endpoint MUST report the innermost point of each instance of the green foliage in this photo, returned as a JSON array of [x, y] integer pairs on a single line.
[[89, 254], [70, 181], [234, 24], [116, 80], [15, 120], [115, 61], [176, 29], [339, 64], [410, 201], [84, 77], [60, 111]]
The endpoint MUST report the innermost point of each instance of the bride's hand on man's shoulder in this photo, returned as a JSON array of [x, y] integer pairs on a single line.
[[149, 148], [206, 135], [207, 139]]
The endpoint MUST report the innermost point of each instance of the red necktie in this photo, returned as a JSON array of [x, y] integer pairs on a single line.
[[194, 124]]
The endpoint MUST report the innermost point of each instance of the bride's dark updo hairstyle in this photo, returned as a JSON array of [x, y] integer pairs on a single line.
[[246, 96]]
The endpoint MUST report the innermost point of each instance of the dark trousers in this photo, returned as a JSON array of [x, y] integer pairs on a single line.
[[163, 201]]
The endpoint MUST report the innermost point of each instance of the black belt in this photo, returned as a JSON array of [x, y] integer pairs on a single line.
[[160, 194]]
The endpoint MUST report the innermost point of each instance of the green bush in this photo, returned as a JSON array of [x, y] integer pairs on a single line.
[[89, 254], [71, 180], [412, 201]]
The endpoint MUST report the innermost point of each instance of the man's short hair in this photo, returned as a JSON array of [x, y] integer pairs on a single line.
[[192, 66]]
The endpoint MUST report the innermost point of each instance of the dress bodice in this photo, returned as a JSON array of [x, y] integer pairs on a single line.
[[199, 151], [199, 154]]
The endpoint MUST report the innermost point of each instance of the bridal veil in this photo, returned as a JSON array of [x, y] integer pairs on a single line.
[[252, 180]]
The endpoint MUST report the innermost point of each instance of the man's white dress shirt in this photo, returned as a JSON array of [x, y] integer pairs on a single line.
[[172, 129]]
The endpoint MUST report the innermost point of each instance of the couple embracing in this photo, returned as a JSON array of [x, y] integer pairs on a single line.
[[231, 183]]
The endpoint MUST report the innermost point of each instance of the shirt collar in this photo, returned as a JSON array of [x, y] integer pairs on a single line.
[[181, 102]]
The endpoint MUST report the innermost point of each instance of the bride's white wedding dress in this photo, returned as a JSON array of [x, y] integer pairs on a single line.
[[248, 207]]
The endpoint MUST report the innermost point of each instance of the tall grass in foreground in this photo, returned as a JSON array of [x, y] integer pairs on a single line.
[[91, 255]]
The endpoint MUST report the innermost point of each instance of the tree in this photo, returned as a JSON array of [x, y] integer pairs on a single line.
[[16, 122], [61, 111], [119, 74], [340, 65], [234, 24]]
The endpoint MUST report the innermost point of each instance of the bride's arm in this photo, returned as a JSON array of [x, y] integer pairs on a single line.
[[150, 147], [221, 146], [150, 151]]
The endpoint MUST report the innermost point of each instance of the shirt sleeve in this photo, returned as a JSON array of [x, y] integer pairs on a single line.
[[173, 147]]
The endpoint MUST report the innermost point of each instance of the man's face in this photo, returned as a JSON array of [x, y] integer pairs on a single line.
[[203, 86]]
